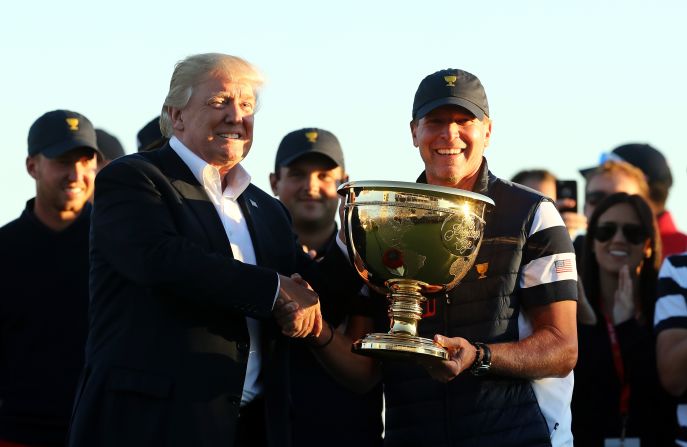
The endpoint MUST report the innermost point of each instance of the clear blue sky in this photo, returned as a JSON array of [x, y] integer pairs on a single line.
[[565, 80]]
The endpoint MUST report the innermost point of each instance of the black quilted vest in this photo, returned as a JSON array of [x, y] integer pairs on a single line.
[[473, 411]]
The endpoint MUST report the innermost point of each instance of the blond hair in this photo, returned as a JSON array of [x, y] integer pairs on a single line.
[[612, 167], [195, 69]]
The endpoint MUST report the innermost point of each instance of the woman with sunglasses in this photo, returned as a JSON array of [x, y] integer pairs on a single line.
[[617, 392]]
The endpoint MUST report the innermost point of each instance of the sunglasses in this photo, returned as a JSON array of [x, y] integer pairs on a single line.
[[593, 198], [634, 234]]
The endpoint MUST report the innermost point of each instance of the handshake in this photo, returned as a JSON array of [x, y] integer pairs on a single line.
[[297, 308]]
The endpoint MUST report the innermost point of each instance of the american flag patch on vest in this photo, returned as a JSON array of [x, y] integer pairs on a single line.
[[563, 266]]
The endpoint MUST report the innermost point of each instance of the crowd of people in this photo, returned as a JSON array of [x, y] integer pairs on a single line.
[[161, 299], [621, 388]]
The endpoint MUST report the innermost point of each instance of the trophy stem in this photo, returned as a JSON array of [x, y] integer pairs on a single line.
[[401, 342], [405, 310]]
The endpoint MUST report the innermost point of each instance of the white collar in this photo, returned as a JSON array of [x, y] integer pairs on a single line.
[[238, 178]]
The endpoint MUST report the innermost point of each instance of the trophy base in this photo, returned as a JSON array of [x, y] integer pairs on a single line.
[[398, 347]]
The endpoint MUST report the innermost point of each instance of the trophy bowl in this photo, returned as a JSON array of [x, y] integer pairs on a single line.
[[406, 240]]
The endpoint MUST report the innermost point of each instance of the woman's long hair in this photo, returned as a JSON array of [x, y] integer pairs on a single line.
[[648, 276]]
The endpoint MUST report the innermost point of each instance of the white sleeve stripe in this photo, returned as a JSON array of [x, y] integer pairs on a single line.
[[546, 216], [548, 269], [670, 306], [678, 274]]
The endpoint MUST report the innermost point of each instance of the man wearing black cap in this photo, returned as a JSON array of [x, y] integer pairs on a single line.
[[44, 283], [509, 328], [150, 137], [110, 148], [309, 167]]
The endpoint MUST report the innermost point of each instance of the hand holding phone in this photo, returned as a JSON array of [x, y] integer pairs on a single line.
[[566, 196]]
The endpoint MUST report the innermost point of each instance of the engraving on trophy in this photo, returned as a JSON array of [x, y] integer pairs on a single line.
[[461, 233], [394, 230]]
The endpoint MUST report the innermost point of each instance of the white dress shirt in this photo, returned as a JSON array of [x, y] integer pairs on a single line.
[[241, 245]]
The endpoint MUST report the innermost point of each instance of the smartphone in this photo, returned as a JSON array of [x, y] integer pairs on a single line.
[[567, 189]]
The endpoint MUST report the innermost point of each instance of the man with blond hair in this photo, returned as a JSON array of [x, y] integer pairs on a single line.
[[654, 166], [191, 281], [608, 178]]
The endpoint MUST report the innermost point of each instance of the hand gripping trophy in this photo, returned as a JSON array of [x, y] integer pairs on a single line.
[[407, 239]]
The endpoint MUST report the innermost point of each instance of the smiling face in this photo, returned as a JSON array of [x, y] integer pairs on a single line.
[[618, 251], [63, 184], [451, 142], [307, 187], [217, 122]]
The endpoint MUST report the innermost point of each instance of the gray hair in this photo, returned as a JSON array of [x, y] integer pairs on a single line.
[[194, 70]]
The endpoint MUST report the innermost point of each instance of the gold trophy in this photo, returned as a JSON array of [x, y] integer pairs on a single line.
[[405, 240]]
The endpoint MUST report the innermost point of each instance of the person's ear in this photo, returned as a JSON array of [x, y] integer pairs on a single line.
[[31, 166], [273, 183], [487, 131], [647, 249], [413, 132], [176, 118]]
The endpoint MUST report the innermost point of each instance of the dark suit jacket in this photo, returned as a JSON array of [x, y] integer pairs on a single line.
[[168, 343]]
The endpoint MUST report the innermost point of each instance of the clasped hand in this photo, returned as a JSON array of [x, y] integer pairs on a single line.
[[461, 355], [297, 308], [623, 299]]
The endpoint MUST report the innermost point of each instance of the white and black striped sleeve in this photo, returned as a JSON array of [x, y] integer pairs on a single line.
[[548, 272], [671, 306]]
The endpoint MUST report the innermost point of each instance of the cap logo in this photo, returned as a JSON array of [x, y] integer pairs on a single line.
[[450, 80], [73, 123], [482, 269], [311, 136]]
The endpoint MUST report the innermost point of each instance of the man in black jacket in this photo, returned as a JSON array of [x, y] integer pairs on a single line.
[[44, 283], [190, 271]]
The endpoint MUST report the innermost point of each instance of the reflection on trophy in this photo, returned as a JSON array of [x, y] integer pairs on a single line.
[[406, 239]]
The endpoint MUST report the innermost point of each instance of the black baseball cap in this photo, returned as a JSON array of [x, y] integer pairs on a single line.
[[109, 145], [149, 133], [640, 155], [450, 86], [60, 131], [310, 140], [647, 158]]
